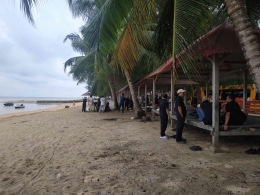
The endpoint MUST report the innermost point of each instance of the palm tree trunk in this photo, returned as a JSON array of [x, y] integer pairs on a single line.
[[113, 93], [137, 107], [247, 37]]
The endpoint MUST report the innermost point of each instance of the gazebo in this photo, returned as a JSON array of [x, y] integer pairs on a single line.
[[86, 94], [222, 58], [219, 56]]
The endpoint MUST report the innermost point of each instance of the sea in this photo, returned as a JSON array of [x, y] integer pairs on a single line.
[[29, 103]]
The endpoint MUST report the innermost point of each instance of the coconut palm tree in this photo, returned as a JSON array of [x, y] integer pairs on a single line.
[[243, 26], [117, 26], [118, 29], [87, 68]]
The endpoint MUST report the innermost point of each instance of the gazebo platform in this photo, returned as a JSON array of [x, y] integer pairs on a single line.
[[252, 126]]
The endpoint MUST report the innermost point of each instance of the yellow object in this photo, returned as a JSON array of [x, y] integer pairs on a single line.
[[250, 87]]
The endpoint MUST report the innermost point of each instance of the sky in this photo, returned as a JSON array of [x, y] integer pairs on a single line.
[[32, 58]]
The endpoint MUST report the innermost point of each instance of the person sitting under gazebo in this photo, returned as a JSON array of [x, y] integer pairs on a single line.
[[233, 115]]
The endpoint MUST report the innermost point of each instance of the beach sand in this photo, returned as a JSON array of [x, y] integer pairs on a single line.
[[65, 151]]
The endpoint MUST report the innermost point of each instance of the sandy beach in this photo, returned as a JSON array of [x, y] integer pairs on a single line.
[[65, 151]]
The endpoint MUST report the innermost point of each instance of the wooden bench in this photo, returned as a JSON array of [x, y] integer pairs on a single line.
[[251, 128], [252, 107]]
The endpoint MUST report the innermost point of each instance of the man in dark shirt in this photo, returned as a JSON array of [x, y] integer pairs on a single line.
[[201, 108], [127, 103], [180, 110], [233, 115], [84, 104], [207, 108], [122, 103], [164, 115]]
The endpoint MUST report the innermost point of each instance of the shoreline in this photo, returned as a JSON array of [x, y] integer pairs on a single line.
[[57, 108]]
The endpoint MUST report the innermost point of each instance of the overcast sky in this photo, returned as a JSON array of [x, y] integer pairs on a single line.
[[32, 58]]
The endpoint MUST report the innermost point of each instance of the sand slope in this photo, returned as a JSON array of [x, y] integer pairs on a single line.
[[69, 152]]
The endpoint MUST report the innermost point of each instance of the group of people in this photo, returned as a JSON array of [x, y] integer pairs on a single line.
[[125, 103], [100, 106], [180, 110], [232, 116]]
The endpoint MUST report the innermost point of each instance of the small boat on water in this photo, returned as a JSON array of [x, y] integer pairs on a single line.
[[19, 106], [9, 104]]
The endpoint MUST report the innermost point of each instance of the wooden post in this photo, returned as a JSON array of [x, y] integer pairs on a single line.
[[244, 90], [154, 88], [185, 97], [207, 89], [145, 93], [172, 99], [138, 94], [215, 98]]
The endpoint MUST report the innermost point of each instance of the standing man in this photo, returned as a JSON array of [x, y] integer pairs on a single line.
[[102, 104], [98, 104], [180, 110], [127, 103], [90, 103], [122, 103], [164, 115], [84, 104]]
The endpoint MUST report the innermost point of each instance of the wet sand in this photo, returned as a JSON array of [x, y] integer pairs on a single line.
[[65, 151]]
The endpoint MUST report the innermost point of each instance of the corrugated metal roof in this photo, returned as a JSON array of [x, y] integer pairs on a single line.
[[220, 40]]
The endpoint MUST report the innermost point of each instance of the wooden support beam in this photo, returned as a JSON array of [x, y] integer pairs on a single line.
[[244, 89], [173, 126], [223, 59], [215, 98], [154, 89], [145, 96], [207, 89], [138, 94], [185, 96], [209, 58]]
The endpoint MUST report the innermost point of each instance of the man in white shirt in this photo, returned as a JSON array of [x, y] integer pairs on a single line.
[[102, 104], [90, 103]]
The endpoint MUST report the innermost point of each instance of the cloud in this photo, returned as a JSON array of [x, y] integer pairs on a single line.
[[31, 59]]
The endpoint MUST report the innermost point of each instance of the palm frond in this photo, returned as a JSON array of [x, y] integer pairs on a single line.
[[192, 19], [87, 9], [71, 62], [77, 43], [27, 7], [72, 37], [253, 10]]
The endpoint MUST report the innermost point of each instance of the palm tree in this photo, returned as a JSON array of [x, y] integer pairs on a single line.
[[246, 34], [86, 68], [118, 28], [117, 17]]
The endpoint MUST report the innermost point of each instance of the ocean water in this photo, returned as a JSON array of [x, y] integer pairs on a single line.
[[29, 106], [13, 99]]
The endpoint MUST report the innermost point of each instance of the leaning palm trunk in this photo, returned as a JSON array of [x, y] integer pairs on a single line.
[[247, 37], [137, 107], [113, 93]]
